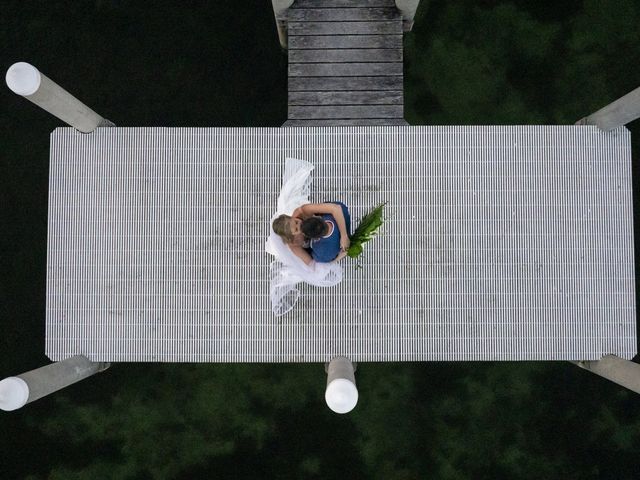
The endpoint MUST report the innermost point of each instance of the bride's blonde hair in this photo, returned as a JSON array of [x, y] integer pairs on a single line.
[[281, 227]]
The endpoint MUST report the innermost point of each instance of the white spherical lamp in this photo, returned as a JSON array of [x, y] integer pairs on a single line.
[[23, 78], [14, 393], [341, 394]]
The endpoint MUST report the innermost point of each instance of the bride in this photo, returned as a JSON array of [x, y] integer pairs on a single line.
[[294, 258]]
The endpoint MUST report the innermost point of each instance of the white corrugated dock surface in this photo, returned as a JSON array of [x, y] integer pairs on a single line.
[[502, 243]]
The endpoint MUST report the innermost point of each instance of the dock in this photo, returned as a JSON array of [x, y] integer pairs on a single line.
[[501, 243]]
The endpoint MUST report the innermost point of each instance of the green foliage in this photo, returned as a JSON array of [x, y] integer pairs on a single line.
[[366, 230], [161, 430], [472, 65], [198, 421], [602, 58], [495, 420]]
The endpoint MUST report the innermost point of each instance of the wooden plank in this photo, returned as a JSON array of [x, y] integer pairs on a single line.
[[342, 3], [344, 55], [393, 27], [344, 69], [344, 41], [301, 84], [345, 122], [379, 97], [350, 111], [342, 14]]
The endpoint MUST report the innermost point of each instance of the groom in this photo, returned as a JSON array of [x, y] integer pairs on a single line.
[[329, 237]]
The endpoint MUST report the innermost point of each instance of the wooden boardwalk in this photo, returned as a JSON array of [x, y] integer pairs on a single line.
[[345, 63]]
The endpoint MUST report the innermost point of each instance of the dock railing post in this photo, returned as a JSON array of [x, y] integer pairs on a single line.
[[341, 394], [618, 113], [25, 80], [15, 392], [408, 10], [280, 12], [616, 369]]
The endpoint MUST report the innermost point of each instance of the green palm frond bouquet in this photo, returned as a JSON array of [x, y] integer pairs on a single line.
[[367, 229]]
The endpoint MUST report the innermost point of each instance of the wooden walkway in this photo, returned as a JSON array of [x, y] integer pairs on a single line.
[[345, 63]]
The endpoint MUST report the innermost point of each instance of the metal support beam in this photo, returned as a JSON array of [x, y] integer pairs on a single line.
[[15, 392], [280, 12], [25, 80], [408, 10], [624, 110], [341, 394], [620, 371]]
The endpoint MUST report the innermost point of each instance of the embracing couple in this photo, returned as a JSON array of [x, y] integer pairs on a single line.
[[306, 239], [316, 231]]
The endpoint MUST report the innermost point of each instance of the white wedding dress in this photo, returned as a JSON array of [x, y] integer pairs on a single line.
[[287, 270]]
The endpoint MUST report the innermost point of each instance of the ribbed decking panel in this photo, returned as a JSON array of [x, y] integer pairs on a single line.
[[502, 243]]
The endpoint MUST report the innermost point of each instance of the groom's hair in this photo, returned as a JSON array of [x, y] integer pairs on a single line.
[[313, 227]]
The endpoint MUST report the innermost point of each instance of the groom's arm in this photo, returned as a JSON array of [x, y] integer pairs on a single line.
[[332, 209]]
